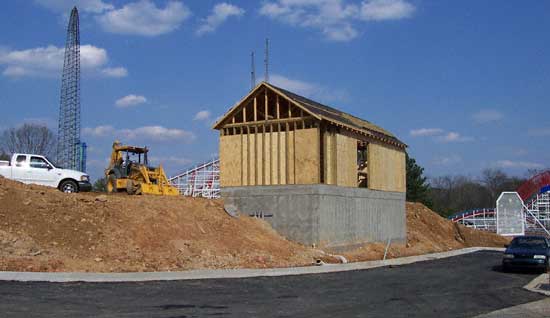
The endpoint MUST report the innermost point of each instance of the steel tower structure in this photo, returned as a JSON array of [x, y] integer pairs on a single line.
[[71, 153]]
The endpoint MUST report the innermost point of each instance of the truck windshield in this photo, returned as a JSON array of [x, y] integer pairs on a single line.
[[54, 165]]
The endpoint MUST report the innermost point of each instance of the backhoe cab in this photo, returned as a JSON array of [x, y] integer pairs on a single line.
[[129, 171]]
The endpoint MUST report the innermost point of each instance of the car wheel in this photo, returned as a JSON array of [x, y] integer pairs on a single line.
[[69, 186]]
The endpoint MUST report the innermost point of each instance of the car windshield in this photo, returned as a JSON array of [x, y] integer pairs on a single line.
[[529, 242], [51, 162]]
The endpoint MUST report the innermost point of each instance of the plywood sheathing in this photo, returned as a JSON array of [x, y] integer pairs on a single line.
[[386, 167]]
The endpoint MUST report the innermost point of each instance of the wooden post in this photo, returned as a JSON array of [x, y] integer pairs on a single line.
[[266, 114], [278, 108], [289, 110], [255, 109], [244, 114]]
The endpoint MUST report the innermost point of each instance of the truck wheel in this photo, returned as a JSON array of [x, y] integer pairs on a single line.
[[111, 184], [69, 186]]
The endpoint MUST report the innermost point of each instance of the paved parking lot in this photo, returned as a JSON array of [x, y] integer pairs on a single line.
[[461, 286]]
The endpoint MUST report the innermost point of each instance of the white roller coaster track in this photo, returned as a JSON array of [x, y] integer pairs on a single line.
[[202, 180]]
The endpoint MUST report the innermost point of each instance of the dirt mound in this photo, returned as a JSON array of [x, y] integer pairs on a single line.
[[42, 229], [427, 232]]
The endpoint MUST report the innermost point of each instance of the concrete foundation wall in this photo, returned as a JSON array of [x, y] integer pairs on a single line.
[[324, 214]]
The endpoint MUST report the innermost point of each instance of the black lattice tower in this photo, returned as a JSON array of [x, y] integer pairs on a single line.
[[70, 151]]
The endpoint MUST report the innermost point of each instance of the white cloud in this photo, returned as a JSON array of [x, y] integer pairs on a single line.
[[447, 161], [48, 61], [99, 131], [220, 13], [115, 72], [378, 10], [487, 116], [424, 132], [335, 19], [156, 133], [308, 89], [202, 115], [518, 164], [92, 6], [144, 18], [130, 100], [453, 137], [539, 132]]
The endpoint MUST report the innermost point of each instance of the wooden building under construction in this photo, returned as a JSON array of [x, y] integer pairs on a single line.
[[276, 140], [275, 137]]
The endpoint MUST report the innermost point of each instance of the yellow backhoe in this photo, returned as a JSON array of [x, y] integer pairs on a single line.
[[129, 171]]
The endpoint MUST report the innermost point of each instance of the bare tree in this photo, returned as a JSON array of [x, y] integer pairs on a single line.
[[29, 138]]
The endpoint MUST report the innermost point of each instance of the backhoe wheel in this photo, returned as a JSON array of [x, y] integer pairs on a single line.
[[130, 187], [111, 184], [69, 186]]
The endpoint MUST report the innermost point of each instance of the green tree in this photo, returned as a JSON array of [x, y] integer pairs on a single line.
[[100, 185], [418, 190], [4, 156]]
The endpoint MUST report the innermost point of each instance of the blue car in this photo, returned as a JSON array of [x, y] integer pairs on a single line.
[[527, 252]]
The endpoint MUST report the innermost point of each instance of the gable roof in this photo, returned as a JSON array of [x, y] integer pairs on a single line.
[[321, 112]]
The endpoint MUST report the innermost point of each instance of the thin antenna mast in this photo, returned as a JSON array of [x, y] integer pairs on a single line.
[[266, 60], [252, 72]]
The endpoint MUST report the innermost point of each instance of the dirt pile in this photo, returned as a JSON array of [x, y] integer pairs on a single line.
[[427, 232], [42, 229]]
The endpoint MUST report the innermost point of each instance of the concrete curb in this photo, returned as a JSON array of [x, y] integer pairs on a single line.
[[227, 273], [539, 285]]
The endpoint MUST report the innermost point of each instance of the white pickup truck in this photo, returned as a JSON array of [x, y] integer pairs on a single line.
[[38, 169]]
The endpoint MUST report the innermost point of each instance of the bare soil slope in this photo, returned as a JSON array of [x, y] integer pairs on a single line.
[[42, 229], [427, 232]]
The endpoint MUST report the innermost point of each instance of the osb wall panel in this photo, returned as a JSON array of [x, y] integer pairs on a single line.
[[230, 161], [274, 155], [245, 160], [346, 161], [271, 158], [251, 159], [386, 166], [329, 157], [282, 157], [307, 156]]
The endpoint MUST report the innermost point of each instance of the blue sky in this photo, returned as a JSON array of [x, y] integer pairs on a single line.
[[466, 84]]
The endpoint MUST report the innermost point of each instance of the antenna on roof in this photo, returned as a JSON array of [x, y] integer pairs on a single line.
[[266, 60], [252, 72]]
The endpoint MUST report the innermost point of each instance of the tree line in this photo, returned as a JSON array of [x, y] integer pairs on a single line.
[[445, 194], [450, 194]]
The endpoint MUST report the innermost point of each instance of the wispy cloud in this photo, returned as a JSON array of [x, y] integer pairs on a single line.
[[155, 133], [335, 19], [203, 115], [220, 13], [447, 160], [144, 18], [422, 132], [48, 61], [487, 116], [92, 6], [309, 89], [453, 137], [130, 100], [518, 164], [440, 135], [115, 72]]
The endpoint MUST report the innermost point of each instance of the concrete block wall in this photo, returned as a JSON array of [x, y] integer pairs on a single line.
[[324, 214]]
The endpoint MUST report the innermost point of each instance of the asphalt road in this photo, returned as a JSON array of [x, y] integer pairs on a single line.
[[461, 286]]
